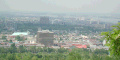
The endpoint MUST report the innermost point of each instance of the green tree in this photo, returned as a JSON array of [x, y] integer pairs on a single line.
[[32, 49], [113, 39], [34, 58], [74, 56], [10, 56], [27, 56], [10, 40], [62, 50], [4, 37], [19, 38], [13, 48], [100, 51], [21, 49], [3, 50], [39, 49], [50, 50]]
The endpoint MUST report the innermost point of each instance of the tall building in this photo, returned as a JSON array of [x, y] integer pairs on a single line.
[[45, 37], [44, 20]]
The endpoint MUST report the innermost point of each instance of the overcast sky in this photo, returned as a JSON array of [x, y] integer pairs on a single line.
[[82, 6]]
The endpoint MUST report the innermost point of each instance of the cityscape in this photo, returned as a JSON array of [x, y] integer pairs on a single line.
[[59, 30], [62, 37]]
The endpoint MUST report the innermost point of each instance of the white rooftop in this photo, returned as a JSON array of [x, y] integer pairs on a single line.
[[20, 33], [45, 31]]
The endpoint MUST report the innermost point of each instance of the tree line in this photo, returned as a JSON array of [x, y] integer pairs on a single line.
[[38, 53]]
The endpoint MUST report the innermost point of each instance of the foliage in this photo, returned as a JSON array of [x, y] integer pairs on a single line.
[[75, 54], [24, 53], [21, 49], [4, 37], [13, 48], [19, 38], [10, 40], [62, 50], [101, 51], [113, 40]]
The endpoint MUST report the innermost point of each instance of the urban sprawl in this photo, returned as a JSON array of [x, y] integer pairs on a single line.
[[54, 31]]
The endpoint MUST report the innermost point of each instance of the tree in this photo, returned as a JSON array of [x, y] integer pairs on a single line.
[[34, 58], [21, 49], [113, 39], [4, 37], [100, 51], [74, 56], [10, 56], [62, 50], [10, 40], [32, 49], [13, 48], [19, 38], [50, 50]]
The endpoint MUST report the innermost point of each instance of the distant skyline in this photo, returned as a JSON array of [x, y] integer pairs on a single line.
[[61, 6]]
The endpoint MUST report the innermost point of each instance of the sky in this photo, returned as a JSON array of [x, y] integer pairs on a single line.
[[58, 6]]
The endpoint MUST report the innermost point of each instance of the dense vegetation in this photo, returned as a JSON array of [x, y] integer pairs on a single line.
[[113, 40], [37, 53]]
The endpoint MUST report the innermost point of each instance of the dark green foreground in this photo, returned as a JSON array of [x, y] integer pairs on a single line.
[[37, 53]]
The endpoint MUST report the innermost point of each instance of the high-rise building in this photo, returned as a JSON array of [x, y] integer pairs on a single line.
[[44, 20], [45, 37]]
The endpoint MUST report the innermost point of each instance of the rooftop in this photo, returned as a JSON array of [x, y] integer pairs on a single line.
[[45, 31], [20, 33]]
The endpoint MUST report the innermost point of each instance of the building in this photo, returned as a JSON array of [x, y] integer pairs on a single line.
[[79, 46], [22, 34], [44, 20], [94, 22], [104, 42], [45, 37]]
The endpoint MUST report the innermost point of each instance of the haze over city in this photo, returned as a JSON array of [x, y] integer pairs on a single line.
[[59, 29], [61, 6]]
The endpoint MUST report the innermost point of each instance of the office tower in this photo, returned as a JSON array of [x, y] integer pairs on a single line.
[[45, 37]]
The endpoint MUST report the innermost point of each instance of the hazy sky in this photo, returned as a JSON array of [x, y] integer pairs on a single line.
[[82, 6]]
